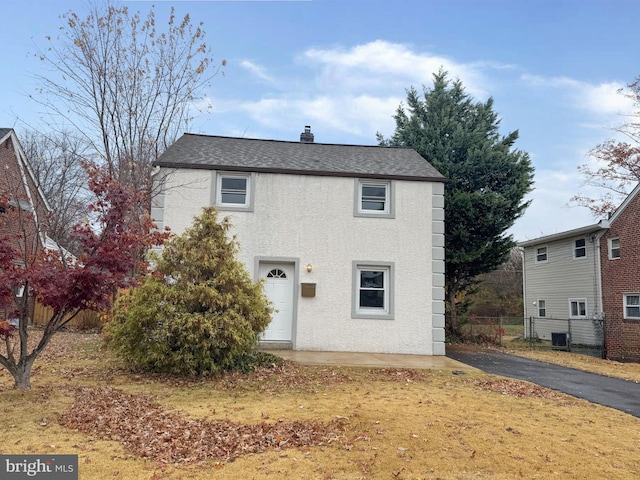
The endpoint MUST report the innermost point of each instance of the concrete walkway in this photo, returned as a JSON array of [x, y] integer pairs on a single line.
[[377, 360]]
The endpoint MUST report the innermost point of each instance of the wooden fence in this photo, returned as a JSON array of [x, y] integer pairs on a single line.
[[84, 320]]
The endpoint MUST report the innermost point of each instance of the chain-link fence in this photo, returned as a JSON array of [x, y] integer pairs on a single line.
[[571, 335], [579, 335], [492, 330]]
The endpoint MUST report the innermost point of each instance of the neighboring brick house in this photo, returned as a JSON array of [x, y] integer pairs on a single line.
[[588, 274], [620, 263], [24, 208], [349, 239]]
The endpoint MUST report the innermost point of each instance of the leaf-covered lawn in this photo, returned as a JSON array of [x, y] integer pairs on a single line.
[[148, 430], [296, 421]]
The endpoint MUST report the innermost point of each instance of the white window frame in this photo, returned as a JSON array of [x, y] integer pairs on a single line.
[[249, 191], [626, 305], [386, 312], [576, 248], [538, 254], [389, 203], [612, 248], [542, 308], [578, 301]]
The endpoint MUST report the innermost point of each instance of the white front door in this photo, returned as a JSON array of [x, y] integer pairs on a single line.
[[279, 288]]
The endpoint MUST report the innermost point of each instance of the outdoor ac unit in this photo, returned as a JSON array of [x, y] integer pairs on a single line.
[[560, 339]]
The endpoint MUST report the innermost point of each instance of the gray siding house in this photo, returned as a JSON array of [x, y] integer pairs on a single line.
[[561, 275]]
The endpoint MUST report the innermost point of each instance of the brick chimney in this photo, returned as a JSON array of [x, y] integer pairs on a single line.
[[306, 136]]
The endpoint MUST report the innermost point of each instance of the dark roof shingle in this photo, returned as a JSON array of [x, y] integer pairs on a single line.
[[4, 131], [246, 154]]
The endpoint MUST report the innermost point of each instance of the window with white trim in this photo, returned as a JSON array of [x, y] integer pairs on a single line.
[[577, 308], [541, 254], [580, 248], [372, 290], [233, 191], [614, 248], [542, 308], [374, 198], [632, 306]]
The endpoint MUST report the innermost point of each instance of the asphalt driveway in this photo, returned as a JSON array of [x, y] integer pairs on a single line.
[[611, 392]]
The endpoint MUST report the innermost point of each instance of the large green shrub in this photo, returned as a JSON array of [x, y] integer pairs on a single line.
[[200, 314]]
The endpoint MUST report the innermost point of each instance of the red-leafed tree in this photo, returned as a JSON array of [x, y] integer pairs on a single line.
[[618, 162], [112, 246]]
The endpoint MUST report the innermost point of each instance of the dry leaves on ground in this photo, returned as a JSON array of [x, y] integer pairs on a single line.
[[290, 375], [147, 430], [516, 388]]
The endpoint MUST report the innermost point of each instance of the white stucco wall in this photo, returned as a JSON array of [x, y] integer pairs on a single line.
[[311, 219]]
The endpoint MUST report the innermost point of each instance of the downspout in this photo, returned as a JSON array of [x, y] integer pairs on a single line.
[[597, 280], [595, 241], [524, 290]]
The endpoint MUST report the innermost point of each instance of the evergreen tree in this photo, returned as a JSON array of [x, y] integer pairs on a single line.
[[201, 313], [488, 179]]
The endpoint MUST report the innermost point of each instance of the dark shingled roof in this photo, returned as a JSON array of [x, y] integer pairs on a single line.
[[4, 131], [252, 155]]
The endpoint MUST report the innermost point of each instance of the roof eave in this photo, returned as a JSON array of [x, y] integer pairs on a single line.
[[288, 171], [601, 226]]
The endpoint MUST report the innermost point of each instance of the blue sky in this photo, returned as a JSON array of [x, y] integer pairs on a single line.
[[552, 67]]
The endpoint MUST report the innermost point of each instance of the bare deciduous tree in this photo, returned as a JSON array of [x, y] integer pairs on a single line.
[[56, 161], [619, 162], [125, 84]]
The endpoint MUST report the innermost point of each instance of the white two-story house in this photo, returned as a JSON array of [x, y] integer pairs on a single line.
[[349, 239]]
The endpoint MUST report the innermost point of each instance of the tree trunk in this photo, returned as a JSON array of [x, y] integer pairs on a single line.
[[22, 374], [452, 327]]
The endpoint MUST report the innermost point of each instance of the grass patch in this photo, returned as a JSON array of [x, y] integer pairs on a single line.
[[379, 423]]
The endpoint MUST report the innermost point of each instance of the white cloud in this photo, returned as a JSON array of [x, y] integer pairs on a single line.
[[382, 64], [354, 115], [257, 70], [603, 99], [349, 93], [606, 98]]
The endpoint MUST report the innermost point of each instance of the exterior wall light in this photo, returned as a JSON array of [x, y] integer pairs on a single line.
[[309, 267]]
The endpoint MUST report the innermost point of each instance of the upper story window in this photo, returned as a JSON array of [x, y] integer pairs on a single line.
[[578, 308], [580, 248], [541, 254], [374, 198], [632, 306], [614, 248], [373, 290], [234, 191]]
